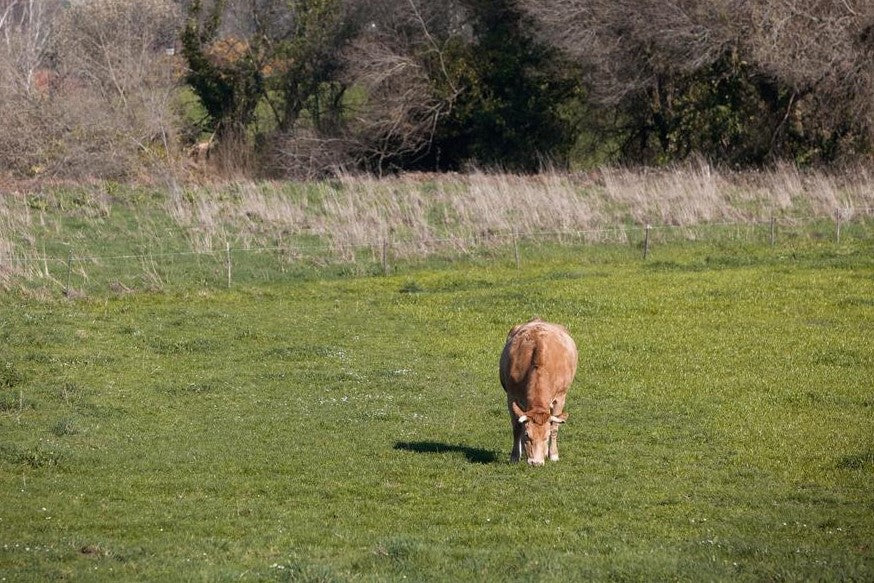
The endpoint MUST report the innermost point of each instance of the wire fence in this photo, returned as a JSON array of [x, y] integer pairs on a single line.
[[77, 274]]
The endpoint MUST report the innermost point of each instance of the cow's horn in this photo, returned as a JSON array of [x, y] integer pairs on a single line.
[[554, 419], [523, 419]]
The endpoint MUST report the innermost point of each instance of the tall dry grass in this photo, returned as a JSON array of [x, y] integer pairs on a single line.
[[19, 256], [422, 213], [695, 194]]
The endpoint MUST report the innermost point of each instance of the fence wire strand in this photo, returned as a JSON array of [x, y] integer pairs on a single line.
[[464, 241]]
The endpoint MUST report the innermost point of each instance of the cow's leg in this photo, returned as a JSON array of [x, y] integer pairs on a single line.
[[557, 408], [516, 452], [553, 442], [518, 428]]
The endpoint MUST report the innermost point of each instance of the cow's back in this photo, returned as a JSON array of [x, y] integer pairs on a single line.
[[538, 363]]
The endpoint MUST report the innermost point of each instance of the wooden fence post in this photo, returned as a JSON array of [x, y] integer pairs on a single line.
[[69, 272], [646, 241], [516, 249], [773, 230], [228, 259], [838, 217]]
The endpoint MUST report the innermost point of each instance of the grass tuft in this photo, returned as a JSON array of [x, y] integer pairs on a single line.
[[36, 457], [859, 461], [9, 376], [411, 287], [65, 427]]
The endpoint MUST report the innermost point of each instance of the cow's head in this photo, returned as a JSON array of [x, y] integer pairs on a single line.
[[537, 425]]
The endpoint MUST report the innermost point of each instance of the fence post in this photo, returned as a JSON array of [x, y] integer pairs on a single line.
[[773, 230], [516, 249], [646, 241], [69, 272], [228, 259], [838, 218], [385, 256]]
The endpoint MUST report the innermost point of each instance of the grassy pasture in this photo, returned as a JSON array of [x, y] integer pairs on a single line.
[[353, 428]]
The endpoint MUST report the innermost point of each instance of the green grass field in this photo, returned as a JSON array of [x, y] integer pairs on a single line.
[[353, 428]]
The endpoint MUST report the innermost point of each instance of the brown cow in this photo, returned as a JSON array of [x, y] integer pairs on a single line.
[[538, 364]]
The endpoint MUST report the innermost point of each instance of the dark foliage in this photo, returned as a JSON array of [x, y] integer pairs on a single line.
[[513, 111]]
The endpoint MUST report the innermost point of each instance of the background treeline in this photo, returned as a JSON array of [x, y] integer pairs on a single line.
[[302, 88]]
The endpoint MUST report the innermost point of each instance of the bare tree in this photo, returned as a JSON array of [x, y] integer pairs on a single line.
[[25, 36], [119, 50], [823, 52], [26, 33], [626, 45], [808, 61], [441, 84], [86, 90], [398, 65]]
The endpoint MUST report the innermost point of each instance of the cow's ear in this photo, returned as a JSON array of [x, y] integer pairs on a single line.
[[519, 413], [558, 418]]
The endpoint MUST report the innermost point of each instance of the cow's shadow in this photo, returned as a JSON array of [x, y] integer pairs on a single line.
[[474, 455]]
